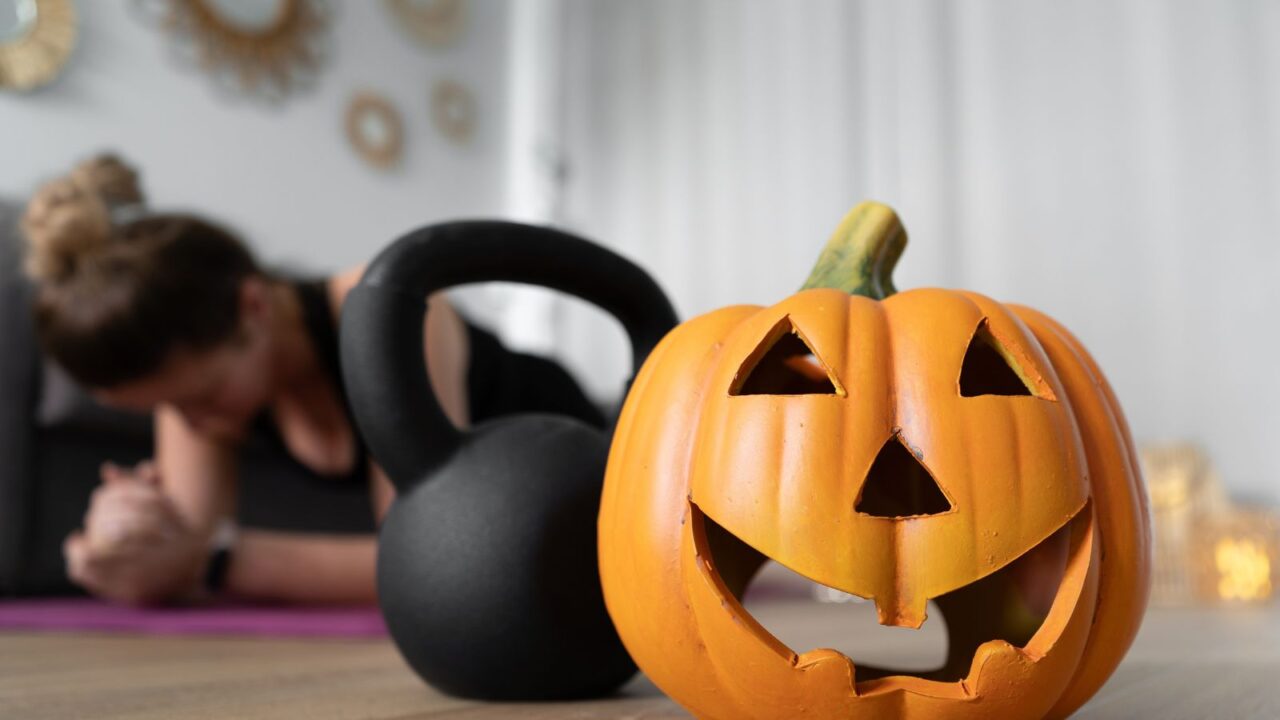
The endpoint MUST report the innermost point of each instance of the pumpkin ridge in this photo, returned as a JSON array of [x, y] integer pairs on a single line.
[[1113, 628], [625, 428]]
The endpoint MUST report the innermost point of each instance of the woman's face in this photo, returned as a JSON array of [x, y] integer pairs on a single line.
[[217, 390]]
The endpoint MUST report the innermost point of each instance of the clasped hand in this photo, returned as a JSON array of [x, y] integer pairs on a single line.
[[135, 547]]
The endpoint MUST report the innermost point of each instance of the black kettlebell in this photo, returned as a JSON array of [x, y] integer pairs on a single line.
[[487, 570]]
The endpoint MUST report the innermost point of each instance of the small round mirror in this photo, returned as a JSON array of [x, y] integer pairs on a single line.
[[453, 110], [374, 129], [17, 18]]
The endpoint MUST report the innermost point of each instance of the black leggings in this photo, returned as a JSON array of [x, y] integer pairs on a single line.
[[503, 382]]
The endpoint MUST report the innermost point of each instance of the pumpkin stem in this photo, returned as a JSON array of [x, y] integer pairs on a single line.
[[860, 255]]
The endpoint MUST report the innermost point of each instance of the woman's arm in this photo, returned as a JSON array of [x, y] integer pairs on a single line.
[[336, 568], [171, 514], [148, 530], [448, 353], [293, 567], [199, 476], [445, 342], [162, 560], [197, 472], [197, 489]]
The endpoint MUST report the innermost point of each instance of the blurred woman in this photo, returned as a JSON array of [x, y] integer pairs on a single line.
[[170, 313]]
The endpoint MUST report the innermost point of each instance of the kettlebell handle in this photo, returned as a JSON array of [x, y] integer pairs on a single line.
[[383, 364]]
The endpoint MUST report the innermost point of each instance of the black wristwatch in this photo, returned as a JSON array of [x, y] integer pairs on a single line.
[[215, 574], [216, 571]]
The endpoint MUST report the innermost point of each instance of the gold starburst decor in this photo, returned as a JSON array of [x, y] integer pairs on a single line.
[[36, 39], [433, 23], [264, 49]]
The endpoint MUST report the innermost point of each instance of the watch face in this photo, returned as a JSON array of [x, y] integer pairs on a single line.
[[36, 39]]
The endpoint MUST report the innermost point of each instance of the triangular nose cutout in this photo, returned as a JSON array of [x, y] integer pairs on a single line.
[[899, 486]]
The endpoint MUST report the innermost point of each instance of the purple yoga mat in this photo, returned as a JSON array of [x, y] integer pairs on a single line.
[[215, 619]]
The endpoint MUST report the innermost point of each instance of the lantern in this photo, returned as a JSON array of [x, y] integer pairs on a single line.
[[1236, 556], [901, 447]]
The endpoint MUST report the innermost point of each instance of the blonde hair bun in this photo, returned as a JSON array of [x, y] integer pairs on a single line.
[[111, 179], [69, 219]]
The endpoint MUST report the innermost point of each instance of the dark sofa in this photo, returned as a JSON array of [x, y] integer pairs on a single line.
[[53, 438]]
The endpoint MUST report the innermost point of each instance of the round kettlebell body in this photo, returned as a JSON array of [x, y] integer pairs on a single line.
[[479, 569]]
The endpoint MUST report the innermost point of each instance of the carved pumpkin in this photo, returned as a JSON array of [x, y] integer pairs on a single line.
[[924, 445]]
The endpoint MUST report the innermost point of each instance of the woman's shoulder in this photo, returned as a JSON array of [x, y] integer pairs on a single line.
[[342, 283]]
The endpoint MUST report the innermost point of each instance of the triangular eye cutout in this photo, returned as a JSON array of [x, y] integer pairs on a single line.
[[899, 486], [784, 364], [986, 369]]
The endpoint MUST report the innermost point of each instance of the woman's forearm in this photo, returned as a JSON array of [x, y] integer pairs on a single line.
[[197, 473], [303, 568]]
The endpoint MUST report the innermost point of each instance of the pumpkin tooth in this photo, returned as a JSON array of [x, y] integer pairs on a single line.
[[992, 655], [828, 662], [899, 611]]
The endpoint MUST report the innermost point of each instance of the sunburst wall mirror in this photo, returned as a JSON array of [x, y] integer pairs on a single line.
[[36, 39], [264, 49]]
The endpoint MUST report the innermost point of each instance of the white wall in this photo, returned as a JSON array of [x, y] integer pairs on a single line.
[[1115, 164], [284, 176]]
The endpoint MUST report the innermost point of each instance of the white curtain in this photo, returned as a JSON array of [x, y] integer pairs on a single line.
[[1115, 164]]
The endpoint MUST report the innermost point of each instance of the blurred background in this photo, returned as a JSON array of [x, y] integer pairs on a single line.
[[1115, 164]]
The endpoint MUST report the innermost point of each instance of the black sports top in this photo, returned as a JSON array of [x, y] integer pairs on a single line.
[[499, 382], [318, 320]]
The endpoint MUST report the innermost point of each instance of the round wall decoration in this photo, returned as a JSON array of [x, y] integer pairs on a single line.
[[266, 49], [453, 110], [433, 23], [375, 130], [36, 39]]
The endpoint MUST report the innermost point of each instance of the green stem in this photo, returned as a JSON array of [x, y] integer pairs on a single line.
[[860, 256]]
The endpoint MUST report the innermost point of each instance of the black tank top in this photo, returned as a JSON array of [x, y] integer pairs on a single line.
[[499, 382], [317, 318]]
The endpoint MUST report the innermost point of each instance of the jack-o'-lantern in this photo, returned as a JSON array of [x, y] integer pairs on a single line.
[[901, 447]]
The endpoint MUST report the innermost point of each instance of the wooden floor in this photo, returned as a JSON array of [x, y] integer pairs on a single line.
[[1185, 664]]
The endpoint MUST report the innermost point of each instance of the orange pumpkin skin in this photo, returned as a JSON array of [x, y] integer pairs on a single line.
[[783, 473]]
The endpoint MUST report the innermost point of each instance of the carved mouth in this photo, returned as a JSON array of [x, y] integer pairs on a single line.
[[1008, 608]]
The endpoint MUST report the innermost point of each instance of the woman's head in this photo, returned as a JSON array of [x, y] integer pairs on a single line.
[[146, 309]]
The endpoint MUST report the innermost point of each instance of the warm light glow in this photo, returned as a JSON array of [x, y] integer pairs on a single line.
[[1169, 490], [1244, 569]]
